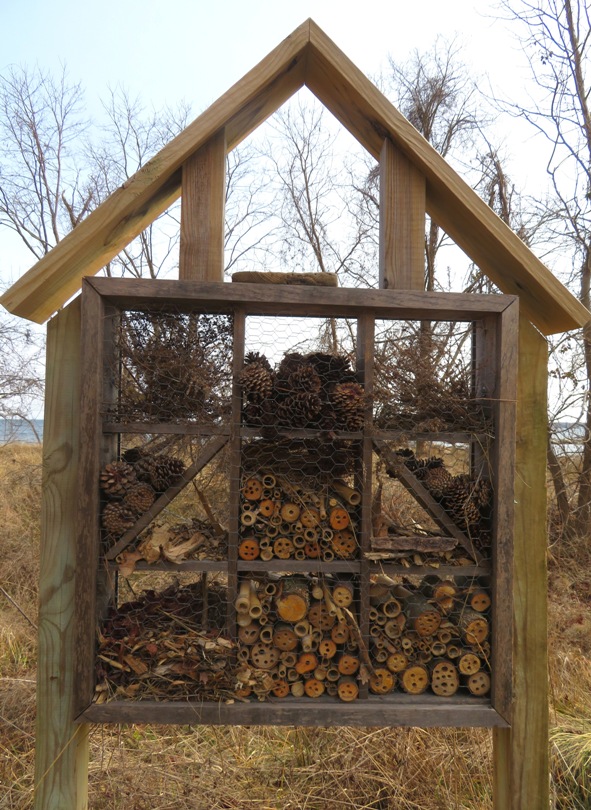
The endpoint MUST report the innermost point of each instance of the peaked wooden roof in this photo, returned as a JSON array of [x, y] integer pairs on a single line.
[[307, 57]]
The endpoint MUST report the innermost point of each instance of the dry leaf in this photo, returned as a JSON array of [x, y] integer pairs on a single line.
[[127, 561], [152, 545]]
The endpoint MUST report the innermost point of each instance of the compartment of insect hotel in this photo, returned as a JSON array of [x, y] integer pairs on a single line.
[[296, 505]]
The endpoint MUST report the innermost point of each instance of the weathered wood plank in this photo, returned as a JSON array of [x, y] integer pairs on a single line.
[[272, 277], [203, 202], [402, 222], [293, 300], [521, 753], [61, 756], [399, 710]]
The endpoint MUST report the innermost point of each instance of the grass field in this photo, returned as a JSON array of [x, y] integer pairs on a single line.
[[203, 768]]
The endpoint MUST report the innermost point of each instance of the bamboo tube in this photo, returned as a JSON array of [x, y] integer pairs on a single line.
[[266, 554], [327, 555], [327, 535], [314, 688], [243, 619], [332, 674], [281, 669], [265, 542], [347, 689], [393, 627], [320, 673], [242, 603], [271, 532], [270, 589], [302, 628], [248, 518], [373, 614], [263, 619], [438, 648], [444, 636], [317, 591], [269, 481], [289, 659], [381, 620], [311, 535], [453, 651], [392, 608], [347, 493], [381, 656], [415, 679], [331, 689], [275, 520], [299, 554], [298, 540], [266, 635], [255, 608], [297, 689], [243, 654], [407, 644], [424, 656]]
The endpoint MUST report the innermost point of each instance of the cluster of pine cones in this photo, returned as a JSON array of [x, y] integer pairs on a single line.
[[132, 484], [305, 391], [468, 502]]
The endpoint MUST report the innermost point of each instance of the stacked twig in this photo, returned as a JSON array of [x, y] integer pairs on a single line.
[[432, 636], [283, 520], [299, 636]]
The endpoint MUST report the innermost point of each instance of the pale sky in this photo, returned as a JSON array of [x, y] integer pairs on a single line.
[[173, 50]]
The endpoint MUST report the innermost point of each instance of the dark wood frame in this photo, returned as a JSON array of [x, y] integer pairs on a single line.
[[497, 317]]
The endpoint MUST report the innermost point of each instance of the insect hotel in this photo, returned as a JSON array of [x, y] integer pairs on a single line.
[[294, 503]]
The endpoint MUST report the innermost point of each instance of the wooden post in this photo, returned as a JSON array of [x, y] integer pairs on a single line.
[[521, 757], [61, 761], [402, 222], [202, 212]]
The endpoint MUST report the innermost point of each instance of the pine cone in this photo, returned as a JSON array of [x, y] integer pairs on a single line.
[[459, 503], [256, 381], [349, 403], [140, 498], [256, 357], [434, 476], [166, 471], [117, 518], [116, 479], [299, 409], [304, 378]]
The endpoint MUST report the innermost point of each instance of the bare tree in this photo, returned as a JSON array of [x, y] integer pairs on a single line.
[[44, 191], [556, 38]]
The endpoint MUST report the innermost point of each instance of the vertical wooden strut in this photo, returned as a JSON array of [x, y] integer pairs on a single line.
[[62, 746], [402, 222], [202, 212], [521, 756]]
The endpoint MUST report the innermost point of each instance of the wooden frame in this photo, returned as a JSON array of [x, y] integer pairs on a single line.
[[498, 317]]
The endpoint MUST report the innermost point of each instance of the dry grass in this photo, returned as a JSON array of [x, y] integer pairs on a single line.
[[203, 768]]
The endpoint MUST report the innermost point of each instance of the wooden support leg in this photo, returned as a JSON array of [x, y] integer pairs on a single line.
[[61, 762], [521, 757]]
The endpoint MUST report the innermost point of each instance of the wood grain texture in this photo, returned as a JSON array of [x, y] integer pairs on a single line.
[[61, 755], [203, 199], [521, 757], [401, 710], [402, 222], [306, 56], [295, 300]]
